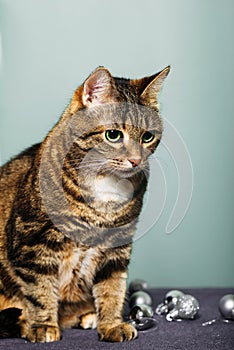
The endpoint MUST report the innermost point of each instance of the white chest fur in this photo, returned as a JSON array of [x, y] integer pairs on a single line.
[[79, 261], [67, 267], [111, 188]]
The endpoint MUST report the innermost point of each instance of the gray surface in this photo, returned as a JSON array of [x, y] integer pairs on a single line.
[[186, 335]]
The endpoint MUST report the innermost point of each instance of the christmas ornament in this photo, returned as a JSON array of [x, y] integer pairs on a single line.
[[137, 285], [172, 297], [226, 306], [145, 323], [140, 298], [170, 301], [186, 308], [140, 311], [140, 302], [141, 317]]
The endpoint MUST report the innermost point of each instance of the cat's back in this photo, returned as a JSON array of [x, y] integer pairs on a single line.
[[11, 174]]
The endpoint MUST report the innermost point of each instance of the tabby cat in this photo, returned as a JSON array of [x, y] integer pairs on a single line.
[[69, 208]]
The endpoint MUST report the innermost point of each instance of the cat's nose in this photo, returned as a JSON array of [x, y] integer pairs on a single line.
[[135, 162]]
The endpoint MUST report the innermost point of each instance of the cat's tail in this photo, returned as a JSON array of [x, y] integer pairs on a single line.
[[9, 319]]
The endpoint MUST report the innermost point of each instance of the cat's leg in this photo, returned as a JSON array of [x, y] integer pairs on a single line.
[[41, 309], [109, 297], [29, 289], [36, 270]]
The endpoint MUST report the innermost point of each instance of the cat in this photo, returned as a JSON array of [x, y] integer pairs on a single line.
[[69, 207]]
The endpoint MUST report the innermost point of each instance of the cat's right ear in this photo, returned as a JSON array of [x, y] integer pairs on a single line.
[[97, 89], [149, 87]]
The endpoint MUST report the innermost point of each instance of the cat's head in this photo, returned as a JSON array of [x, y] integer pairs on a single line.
[[119, 119]]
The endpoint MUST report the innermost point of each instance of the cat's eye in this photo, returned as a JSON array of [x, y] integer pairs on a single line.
[[147, 137], [114, 135]]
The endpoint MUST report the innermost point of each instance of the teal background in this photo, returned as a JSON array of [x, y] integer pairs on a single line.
[[48, 48]]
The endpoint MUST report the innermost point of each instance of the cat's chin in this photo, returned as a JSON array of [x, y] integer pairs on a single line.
[[124, 173]]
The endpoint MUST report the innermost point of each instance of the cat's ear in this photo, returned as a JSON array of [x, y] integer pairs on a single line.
[[149, 87], [97, 89]]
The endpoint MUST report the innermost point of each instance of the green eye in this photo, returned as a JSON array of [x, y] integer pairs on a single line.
[[114, 135], [147, 137]]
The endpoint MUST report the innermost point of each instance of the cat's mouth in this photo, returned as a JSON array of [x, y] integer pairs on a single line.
[[127, 168]]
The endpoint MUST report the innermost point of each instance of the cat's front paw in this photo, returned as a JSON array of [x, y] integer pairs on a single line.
[[43, 334], [119, 333]]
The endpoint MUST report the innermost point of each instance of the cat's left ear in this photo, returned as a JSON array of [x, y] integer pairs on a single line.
[[97, 89], [150, 87]]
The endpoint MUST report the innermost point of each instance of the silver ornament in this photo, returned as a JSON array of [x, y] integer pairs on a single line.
[[144, 323], [137, 285], [187, 307], [140, 311], [226, 306], [172, 297], [140, 298], [170, 301], [161, 309]]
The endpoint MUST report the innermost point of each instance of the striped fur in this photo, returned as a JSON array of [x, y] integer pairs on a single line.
[[64, 259]]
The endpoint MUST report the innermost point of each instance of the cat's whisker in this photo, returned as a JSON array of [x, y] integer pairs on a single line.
[[87, 165]]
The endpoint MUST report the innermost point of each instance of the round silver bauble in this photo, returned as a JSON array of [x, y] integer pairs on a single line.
[[137, 285], [139, 298], [169, 302], [140, 311], [226, 306], [187, 308], [172, 297]]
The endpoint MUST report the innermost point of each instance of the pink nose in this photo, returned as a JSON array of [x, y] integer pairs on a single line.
[[135, 162]]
